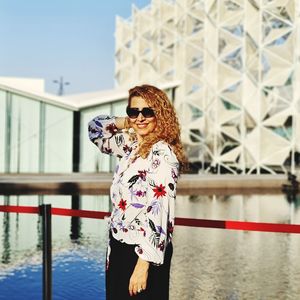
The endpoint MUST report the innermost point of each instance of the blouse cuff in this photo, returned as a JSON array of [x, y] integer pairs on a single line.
[[102, 126], [152, 257]]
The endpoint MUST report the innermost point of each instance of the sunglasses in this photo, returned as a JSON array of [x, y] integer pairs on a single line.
[[133, 112]]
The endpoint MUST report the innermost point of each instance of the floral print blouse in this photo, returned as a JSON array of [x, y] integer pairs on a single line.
[[143, 191]]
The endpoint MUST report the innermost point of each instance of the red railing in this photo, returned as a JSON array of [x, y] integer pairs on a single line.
[[222, 224], [46, 211]]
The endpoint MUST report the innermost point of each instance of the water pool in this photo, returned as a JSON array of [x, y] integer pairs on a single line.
[[207, 263], [76, 275]]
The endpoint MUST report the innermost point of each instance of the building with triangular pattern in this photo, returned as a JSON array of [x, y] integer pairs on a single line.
[[238, 62]]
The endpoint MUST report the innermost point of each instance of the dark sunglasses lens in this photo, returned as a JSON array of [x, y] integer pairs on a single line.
[[147, 112], [134, 112]]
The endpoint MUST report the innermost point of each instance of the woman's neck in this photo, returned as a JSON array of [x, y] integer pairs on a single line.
[[139, 139]]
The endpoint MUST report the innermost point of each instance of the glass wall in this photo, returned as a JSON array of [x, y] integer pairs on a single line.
[[24, 138], [34, 136], [2, 130], [58, 139]]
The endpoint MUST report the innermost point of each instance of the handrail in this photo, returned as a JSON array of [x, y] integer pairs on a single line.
[[205, 223], [46, 211]]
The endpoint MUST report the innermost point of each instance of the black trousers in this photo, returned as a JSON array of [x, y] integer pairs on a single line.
[[122, 261]]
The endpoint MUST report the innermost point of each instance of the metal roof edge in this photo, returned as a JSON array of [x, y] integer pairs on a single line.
[[66, 101], [47, 98]]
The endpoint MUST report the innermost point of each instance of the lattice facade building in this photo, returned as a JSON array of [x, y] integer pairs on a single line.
[[238, 63]]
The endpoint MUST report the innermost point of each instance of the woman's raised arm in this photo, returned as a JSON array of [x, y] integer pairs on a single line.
[[106, 133]]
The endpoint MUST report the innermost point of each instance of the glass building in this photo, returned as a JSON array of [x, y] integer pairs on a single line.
[[44, 133]]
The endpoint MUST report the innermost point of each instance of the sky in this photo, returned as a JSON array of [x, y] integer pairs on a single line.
[[69, 38]]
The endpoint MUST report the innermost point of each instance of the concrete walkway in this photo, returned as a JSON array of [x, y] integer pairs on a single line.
[[90, 183]]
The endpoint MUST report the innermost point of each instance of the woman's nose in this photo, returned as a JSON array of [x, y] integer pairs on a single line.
[[140, 117]]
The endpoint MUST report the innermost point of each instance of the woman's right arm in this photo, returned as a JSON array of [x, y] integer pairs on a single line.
[[105, 132]]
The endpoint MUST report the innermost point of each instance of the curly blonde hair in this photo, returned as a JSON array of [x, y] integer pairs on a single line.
[[167, 128]]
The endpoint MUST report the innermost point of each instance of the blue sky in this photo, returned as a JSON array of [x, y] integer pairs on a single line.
[[70, 38]]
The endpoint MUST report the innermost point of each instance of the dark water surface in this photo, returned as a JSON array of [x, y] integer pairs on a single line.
[[207, 263]]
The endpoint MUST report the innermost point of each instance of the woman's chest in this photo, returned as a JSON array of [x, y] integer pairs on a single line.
[[131, 172]]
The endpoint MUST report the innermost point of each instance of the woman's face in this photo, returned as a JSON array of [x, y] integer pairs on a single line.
[[141, 124]]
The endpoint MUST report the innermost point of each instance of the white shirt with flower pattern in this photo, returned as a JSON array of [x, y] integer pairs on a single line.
[[143, 191]]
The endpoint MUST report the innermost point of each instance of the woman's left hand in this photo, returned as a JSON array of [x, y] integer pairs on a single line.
[[138, 279]]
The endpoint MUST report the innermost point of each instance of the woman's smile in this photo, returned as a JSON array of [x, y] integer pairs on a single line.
[[142, 125]]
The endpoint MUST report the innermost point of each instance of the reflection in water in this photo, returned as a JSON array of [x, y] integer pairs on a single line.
[[5, 237], [290, 192], [6, 244], [224, 264], [207, 263], [75, 221], [39, 243], [293, 198], [252, 208], [219, 264]]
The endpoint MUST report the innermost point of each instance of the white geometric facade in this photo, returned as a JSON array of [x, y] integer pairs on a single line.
[[238, 62]]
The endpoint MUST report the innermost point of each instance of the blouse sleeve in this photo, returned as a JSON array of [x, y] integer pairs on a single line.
[[104, 133], [159, 213]]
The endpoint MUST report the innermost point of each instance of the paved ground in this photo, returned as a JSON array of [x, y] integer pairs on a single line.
[[87, 183]]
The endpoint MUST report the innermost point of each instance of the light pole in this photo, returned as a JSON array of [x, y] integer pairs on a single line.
[[61, 85]]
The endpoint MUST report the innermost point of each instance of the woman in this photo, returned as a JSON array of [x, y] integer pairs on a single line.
[[143, 193]]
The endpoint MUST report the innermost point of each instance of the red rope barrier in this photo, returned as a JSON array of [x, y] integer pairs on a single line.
[[268, 227], [79, 213], [200, 223], [19, 209], [235, 225], [56, 211]]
